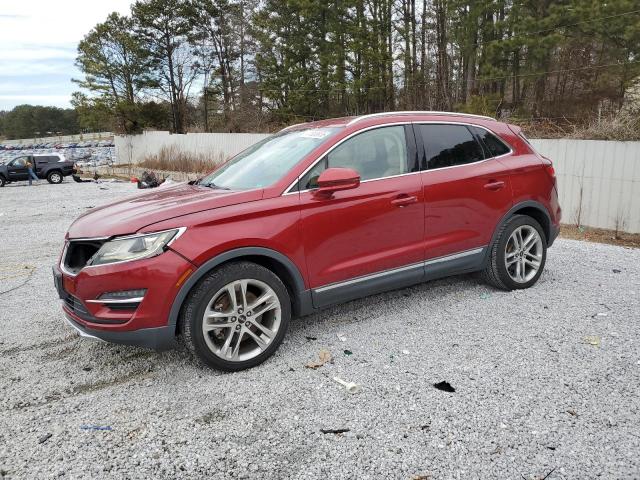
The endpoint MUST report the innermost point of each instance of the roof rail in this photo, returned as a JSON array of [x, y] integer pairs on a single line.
[[292, 126], [383, 114]]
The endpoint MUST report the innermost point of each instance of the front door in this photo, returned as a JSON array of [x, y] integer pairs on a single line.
[[358, 241], [17, 169], [466, 192]]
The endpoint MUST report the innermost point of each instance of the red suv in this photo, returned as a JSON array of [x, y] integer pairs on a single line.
[[318, 214]]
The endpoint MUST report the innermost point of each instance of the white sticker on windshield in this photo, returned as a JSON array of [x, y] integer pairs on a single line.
[[314, 133]]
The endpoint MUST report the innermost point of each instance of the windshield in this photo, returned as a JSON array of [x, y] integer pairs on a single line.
[[267, 161]]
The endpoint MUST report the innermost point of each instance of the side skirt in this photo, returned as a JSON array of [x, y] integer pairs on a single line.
[[335, 293]]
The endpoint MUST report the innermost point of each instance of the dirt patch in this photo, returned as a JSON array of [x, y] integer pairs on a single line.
[[600, 235]]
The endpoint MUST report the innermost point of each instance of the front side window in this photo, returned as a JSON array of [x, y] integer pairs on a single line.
[[449, 145], [266, 162], [377, 153], [19, 162]]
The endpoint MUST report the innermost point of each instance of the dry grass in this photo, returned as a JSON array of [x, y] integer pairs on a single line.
[[622, 126], [173, 159], [600, 235]]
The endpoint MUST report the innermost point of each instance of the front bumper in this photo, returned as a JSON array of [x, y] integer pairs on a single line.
[[160, 338], [146, 324], [555, 231]]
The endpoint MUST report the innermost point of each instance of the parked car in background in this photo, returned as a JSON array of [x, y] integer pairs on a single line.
[[316, 215], [53, 167]]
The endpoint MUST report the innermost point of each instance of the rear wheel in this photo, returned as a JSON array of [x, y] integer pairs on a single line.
[[236, 317], [518, 254], [54, 177]]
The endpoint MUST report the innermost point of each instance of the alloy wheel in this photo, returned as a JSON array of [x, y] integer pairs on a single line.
[[241, 320], [523, 254]]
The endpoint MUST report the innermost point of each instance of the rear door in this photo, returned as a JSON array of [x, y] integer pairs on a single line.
[[360, 241], [466, 190]]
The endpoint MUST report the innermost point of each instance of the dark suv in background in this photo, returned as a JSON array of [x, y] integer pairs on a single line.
[[52, 167]]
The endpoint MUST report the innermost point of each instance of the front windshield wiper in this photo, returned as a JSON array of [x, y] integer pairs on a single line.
[[213, 185]]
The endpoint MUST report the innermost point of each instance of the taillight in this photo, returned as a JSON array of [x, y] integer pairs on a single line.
[[551, 171]]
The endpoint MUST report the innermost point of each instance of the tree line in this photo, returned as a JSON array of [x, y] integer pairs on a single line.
[[247, 65]]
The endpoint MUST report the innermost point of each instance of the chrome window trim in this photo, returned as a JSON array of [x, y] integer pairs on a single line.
[[287, 191], [383, 273]]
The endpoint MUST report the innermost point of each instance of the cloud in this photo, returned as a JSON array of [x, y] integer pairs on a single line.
[[39, 40]]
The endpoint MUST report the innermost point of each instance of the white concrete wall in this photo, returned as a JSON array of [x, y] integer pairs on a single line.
[[598, 181], [134, 148]]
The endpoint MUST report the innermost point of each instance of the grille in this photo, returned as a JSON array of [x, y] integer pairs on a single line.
[[77, 307], [79, 252]]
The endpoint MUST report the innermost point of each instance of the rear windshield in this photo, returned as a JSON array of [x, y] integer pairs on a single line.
[[267, 161]]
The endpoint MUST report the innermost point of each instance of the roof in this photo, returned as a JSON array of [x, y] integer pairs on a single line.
[[347, 121]]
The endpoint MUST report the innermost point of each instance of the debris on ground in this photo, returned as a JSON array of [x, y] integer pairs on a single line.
[[615, 270], [149, 180], [406, 352], [324, 356], [341, 337], [335, 431], [592, 340], [573, 413], [350, 387], [311, 338], [485, 296], [96, 427], [444, 386], [45, 437], [348, 352]]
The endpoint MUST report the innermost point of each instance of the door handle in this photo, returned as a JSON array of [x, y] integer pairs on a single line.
[[404, 200], [494, 185]]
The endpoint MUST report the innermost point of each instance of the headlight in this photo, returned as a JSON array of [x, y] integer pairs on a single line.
[[135, 247]]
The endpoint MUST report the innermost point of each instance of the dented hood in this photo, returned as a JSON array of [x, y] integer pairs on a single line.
[[131, 214]]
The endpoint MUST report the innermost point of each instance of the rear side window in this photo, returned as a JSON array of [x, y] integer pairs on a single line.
[[495, 146], [449, 145], [46, 159]]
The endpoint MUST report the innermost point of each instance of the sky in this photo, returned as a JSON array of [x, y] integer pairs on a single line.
[[38, 40]]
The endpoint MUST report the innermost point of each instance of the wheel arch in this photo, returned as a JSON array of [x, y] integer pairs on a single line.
[[275, 261], [531, 208]]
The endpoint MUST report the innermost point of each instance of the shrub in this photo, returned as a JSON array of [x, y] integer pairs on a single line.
[[173, 159]]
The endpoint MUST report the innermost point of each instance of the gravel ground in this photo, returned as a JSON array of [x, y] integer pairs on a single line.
[[547, 380]]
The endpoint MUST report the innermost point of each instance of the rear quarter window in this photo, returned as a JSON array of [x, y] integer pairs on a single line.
[[494, 145]]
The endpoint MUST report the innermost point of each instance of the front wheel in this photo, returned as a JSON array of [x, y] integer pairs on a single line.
[[518, 254], [2, 181], [54, 177], [236, 317]]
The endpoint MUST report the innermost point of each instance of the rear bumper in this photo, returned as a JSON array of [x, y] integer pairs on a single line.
[[554, 232], [160, 338]]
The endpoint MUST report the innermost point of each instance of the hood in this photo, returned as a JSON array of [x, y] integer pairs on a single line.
[[131, 214]]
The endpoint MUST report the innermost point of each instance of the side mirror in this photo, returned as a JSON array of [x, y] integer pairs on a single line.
[[337, 179]]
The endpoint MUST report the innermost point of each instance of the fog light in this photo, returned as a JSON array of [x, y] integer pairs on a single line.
[[131, 295]]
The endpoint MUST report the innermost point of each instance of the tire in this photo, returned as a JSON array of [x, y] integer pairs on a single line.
[[525, 266], [242, 350], [2, 181], [54, 177]]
